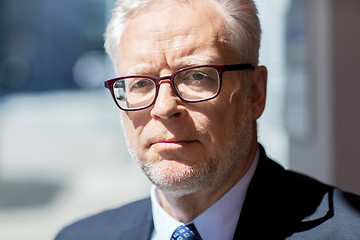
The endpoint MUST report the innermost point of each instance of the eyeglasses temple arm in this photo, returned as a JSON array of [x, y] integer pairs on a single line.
[[234, 67]]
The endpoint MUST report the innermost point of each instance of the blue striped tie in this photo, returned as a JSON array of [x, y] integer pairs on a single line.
[[186, 232]]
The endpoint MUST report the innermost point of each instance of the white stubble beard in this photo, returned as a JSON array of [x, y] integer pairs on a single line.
[[207, 176]]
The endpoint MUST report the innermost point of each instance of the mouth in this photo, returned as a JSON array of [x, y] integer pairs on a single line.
[[172, 144]]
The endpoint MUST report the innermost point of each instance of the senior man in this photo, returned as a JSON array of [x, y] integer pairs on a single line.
[[190, 92]]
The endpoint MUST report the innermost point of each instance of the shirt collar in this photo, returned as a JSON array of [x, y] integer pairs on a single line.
[[219, 221]]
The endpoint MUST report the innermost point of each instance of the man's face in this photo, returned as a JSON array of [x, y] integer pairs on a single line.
[[186, 147]]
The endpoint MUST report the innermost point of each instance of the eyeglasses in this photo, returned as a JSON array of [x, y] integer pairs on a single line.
[[192, 84]]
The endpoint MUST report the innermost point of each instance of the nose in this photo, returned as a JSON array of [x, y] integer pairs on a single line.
[[168, 104]]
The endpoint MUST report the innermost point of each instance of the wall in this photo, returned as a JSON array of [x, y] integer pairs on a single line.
[[329, 150], [346, 93]]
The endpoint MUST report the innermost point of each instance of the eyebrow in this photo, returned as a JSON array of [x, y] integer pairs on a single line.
[[191, 61], [139, 68], [146, 69]]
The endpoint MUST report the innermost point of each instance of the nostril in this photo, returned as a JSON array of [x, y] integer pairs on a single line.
[[177, 114]]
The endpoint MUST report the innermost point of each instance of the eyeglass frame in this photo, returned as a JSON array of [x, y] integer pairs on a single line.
[[220, 68]]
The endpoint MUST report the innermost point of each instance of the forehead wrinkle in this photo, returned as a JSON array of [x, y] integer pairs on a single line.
[[181, 49], [173, 26], [138, 68], [146, 68], [203, 60], [152, 45]]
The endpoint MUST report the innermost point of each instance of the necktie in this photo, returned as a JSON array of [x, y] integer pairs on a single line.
[[186, 232]]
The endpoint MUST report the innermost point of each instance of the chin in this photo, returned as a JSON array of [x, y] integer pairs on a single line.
[[176, 177]]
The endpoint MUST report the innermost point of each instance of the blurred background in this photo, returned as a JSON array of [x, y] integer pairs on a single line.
[[62, 150]]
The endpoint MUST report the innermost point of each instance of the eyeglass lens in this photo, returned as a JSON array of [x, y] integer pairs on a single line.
[[195, 84]]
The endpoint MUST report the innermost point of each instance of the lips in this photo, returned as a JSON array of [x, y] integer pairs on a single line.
[[171, 144]]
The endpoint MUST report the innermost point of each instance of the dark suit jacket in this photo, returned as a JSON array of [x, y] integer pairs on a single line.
[[280, 204]]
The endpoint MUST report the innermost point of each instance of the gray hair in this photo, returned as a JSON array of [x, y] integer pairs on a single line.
[[242, 26]]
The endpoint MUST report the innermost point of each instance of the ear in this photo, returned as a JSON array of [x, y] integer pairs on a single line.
[[258, 86]]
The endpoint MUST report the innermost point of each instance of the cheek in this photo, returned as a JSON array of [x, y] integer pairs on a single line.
[[131, 132], [210, 124], [233, 89], [230, 109], [137, 133]]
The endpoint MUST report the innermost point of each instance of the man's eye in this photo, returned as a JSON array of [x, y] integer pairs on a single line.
[[137, 85], [198, 76], [141, 84]]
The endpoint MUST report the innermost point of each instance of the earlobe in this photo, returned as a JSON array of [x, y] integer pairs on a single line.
[[258, 83]]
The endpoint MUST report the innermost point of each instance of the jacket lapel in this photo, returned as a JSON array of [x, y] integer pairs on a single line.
[[278, 201], [139, 232], [140, 224]]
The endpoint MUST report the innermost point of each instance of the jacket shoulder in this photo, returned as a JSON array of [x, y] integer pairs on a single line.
[[110, 224], [289, 205]]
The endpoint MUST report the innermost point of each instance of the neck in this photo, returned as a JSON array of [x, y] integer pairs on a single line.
[[185, 208]]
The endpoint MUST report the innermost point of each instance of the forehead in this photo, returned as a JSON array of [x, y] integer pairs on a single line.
[[173, 34]]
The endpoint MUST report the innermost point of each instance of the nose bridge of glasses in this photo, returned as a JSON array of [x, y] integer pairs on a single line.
[[167, 79], [163, 79]]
